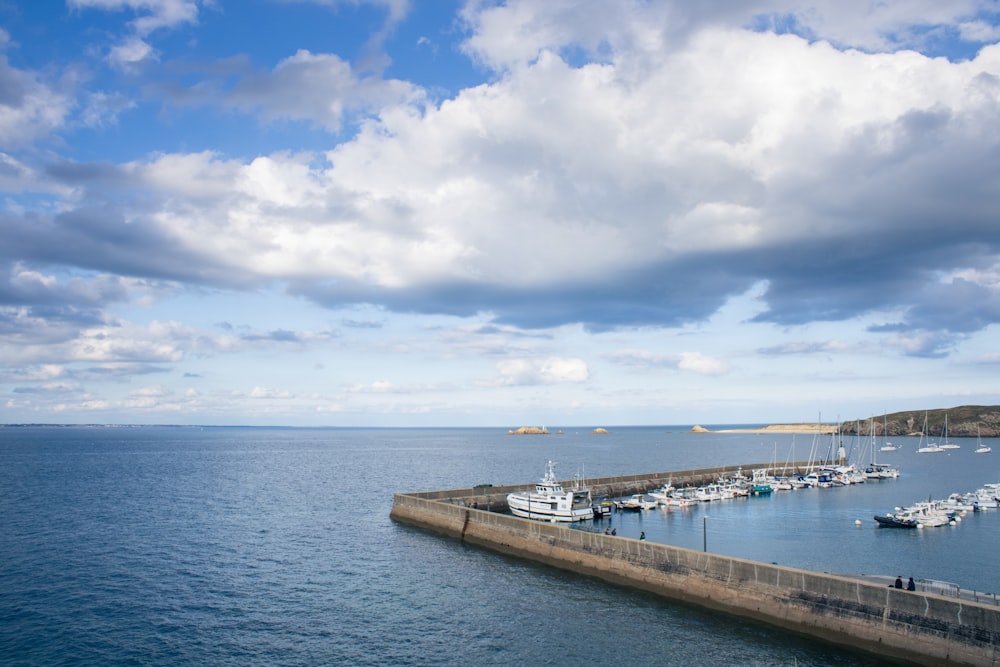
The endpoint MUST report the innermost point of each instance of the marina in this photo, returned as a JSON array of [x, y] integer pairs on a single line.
[[920, 626]]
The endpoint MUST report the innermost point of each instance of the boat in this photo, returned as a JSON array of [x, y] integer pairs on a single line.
[[928, 514], [638, 501], [760, 485], [961, 503], [550, 501], [986, 496], [876, 470], [948, 445], [930, 447], [980, 447], [708, 493], [892, 520], [881, 471], [668, 496], [602, 508], [886, 445]]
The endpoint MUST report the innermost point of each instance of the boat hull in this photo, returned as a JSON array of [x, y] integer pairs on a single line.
[[540, 512], [890, 521]]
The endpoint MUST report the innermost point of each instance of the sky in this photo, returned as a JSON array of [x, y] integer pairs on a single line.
[[480, 213]]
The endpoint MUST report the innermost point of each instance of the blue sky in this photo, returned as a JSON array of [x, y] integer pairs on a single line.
[[390, 213]]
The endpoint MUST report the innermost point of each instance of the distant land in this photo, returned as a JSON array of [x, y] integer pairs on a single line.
[[963, 422], [774, 428]]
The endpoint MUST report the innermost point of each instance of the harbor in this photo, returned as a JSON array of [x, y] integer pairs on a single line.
[[679, 552], [234, 546]]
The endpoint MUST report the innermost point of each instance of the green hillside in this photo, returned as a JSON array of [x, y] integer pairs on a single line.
[[962, 422]]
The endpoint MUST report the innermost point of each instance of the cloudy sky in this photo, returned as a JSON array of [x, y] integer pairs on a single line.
[[570, 212]]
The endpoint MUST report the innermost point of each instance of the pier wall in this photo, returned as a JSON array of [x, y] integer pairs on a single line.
[[494, 498], [911, 626]]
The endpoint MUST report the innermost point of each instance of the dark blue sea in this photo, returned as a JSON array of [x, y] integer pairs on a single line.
[[240, 546]]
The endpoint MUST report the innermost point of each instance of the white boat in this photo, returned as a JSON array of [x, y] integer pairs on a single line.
[[930, 447], [671, 497], [987, 496], [876, 470], [550, 501], [948, 445], [980, 447], [886, 446], [927, 515], [960, 502], [707, 493], [881, 471]]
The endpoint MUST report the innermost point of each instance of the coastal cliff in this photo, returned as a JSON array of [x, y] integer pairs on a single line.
[[963, 422]]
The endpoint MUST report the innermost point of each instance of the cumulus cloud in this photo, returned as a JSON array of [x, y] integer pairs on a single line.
[[696, 152], [318, 88], [151, 15], [31, 108], [516, 32], [553, 370]]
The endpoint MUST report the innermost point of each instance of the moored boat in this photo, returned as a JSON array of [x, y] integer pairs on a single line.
[[892, 520], [637, 502], [550, 501]]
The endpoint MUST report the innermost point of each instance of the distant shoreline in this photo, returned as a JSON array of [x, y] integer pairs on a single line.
[[821, 429]]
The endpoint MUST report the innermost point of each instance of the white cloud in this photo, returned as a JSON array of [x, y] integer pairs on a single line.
[[130, 52], [516, 32], [270, 393], [319, 88], [153, 14], [694, 362], [31, 109], [553, 370]]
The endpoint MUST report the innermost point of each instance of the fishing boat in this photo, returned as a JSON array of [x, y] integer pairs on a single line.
[[760, 485], [671, 497], [550, 501]]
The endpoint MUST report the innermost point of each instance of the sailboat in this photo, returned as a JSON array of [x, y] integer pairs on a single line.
[[879, 470], [886, 446], [930, 446], [948, 445], [980, 447]]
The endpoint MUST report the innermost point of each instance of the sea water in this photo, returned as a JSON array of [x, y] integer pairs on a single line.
[[236, 546]]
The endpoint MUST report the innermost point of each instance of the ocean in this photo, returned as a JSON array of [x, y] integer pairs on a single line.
[[239, 546]]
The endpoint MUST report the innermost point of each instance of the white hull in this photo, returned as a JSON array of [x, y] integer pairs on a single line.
[[544, 512], [550, 502]]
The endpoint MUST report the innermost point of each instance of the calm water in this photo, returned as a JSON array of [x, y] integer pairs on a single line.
[[274, 546]]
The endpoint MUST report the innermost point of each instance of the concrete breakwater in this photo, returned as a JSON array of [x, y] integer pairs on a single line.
[[494, 498], [916, 627]]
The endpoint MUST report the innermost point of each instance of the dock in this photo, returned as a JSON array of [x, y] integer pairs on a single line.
[[917, 627]]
